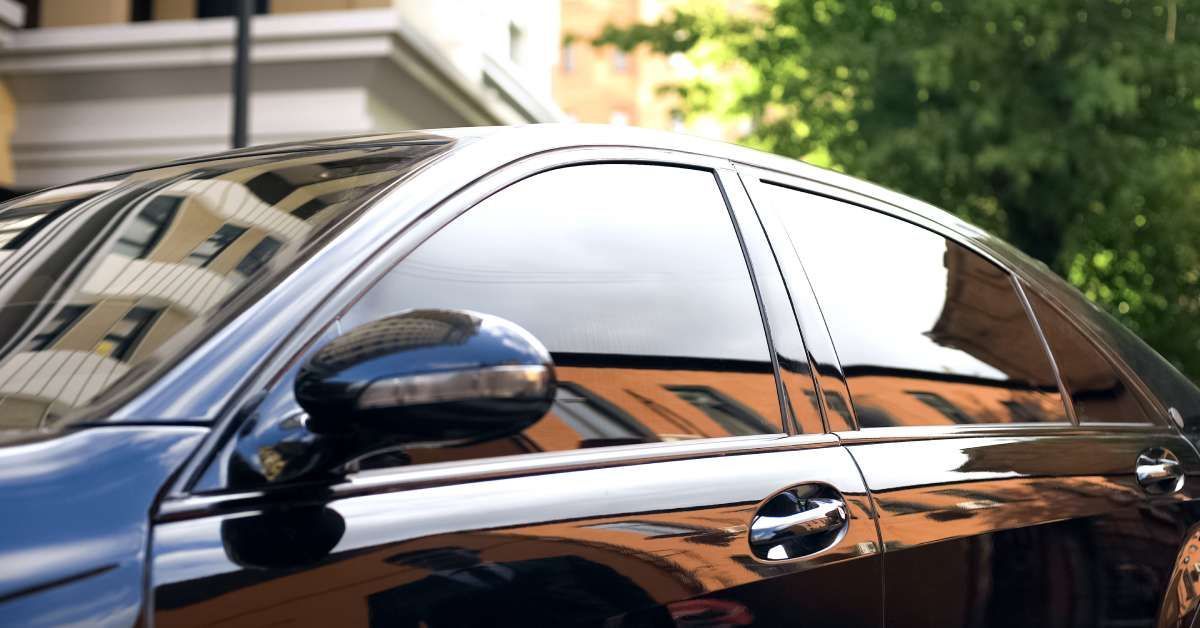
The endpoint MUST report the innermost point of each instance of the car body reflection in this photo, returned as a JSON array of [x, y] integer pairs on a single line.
[[961, 519], [462, 554]]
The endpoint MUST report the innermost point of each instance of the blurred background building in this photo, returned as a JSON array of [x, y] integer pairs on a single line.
[[93, 86], [608, 86]]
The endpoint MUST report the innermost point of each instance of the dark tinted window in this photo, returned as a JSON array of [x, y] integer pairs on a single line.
[[928, 332], [633, 277], [1098, 391]]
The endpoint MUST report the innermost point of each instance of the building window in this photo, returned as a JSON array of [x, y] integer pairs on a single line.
[[1022, 413], [620, 60], [943, 406], [53, 330], [225, 8], [124, 335], [737, 419], [33, 12], [516, 42], [259, 256], [310, 209], [141, 10], [597, 421], [836, 403], [678, 122], [208, 250], [141, 235], [568, 58]]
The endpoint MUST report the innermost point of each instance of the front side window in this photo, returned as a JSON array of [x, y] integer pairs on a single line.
[[928, 332], [633, 278]]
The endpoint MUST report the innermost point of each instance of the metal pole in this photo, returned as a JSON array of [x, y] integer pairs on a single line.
[[241, 73]]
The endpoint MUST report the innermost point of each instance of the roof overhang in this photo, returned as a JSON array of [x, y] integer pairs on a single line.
[[95, 99]]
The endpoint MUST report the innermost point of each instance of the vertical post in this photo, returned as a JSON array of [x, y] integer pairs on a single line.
[[241, 73]]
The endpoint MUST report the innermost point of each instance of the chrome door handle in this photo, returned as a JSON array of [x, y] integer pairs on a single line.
[[1159, 471], [820, 515]]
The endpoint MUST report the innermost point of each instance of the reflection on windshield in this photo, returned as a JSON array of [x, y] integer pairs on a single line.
[[95, 277]]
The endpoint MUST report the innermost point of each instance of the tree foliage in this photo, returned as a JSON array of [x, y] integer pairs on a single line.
[[1069, 127]]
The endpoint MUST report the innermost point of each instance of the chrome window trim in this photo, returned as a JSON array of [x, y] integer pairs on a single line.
[[818, 338], [998, 430], [399, 225], [191, 506], [1158, 413], [1067, 401], [744, 217]]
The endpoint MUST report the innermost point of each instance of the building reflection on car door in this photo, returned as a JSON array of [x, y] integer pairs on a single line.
[[658, 544]]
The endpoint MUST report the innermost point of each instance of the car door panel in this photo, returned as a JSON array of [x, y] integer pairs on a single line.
[[1024, 529], [624, 545]]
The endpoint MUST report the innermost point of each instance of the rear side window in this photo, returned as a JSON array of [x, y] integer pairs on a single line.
[[1097, 390], [928, 332], [633, 278]]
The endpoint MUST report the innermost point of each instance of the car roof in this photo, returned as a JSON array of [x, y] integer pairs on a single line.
[[508, 143], [504, 144], [495, 146]]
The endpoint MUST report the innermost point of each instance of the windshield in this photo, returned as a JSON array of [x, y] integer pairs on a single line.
[[99, 277]]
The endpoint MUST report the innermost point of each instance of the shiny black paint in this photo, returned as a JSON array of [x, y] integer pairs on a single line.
[[76, 525], [633, 544], [1000, 526], [1030, 530]]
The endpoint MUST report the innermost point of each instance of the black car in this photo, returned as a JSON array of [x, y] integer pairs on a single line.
[[567, 375]]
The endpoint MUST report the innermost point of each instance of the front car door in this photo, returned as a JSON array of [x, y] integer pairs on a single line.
[[1021, 476], [633, 502]]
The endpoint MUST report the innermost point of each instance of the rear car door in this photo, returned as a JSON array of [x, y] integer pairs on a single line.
[[1021, 475], [668, 485]]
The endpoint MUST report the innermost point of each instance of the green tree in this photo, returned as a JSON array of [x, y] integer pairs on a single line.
[[1069, 127]]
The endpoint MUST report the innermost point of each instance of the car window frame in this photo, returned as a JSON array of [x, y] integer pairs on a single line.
[[1141, 394], [754, 176], [444, 210]]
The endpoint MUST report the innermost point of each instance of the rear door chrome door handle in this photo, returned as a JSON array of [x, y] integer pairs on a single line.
[[1159, 472], [822, 515], [798, 522]]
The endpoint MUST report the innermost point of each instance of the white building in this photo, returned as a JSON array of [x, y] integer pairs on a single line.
[[101, 85]]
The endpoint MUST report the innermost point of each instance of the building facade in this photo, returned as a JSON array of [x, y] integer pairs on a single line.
[[92, 86], [603, 84]]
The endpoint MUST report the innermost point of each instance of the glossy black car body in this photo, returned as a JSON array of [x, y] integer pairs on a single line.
[[740, 341]]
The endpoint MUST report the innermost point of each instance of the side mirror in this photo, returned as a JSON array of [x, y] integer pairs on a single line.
[[428, 377]]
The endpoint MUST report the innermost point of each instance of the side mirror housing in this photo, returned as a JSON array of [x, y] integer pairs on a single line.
[[428, 377]]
